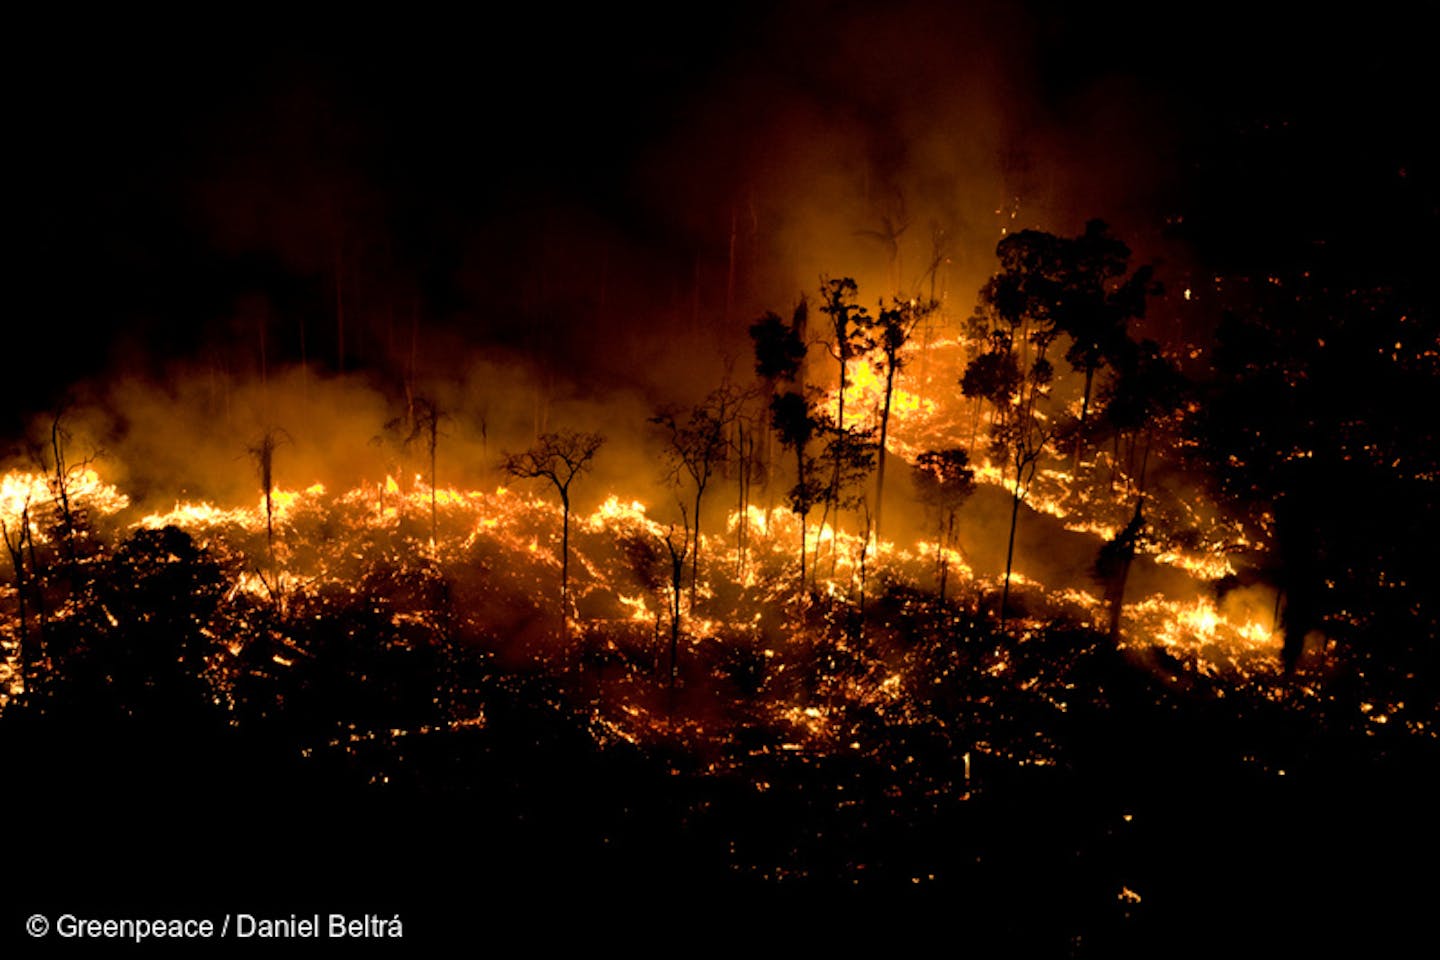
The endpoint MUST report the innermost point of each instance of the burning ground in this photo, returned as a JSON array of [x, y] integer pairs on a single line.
[[393, 642], [649, 471]]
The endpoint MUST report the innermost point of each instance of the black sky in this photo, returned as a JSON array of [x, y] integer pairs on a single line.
[[165, 178]]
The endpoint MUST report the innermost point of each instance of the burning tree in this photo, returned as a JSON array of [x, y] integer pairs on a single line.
[[559, 458], [1112, 567], [992, 377], [779, 359], [1093, 303], [1142, 398], [893, 328], [263, 453], [944, 481], [850, 326], [69, 518], [849, 453], [677, 574], [425, 418], [1016, 311], [796, 422], [748, 468], [697, 441]]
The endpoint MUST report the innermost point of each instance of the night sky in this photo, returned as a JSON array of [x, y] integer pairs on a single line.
[[485, 175]]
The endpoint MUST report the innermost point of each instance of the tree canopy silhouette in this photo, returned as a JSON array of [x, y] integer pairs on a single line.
[[558, 458]]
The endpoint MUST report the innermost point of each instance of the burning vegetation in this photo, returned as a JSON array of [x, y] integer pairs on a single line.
[[1009, 559], [785, 635]]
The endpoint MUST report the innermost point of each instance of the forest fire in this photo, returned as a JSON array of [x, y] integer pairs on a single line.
[[317, 536], [958, 455], [774, 641]]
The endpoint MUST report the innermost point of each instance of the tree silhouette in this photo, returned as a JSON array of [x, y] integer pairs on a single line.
[[849, 454], [892, 331], [748, 468], [779, 359], [697, 442], [1312, 433], [1016, 310], [993, 377], [779, 347], [677, 573], [893, 222], [1146, 390], [425, 418], [1112, 567], [850, 327], [1094, 303], [796, 422], [559, 458], [53, 457], [262, 452], [1025, 442], [944, 480]]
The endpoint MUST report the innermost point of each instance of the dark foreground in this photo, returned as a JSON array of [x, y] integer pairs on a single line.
[[524, 832]]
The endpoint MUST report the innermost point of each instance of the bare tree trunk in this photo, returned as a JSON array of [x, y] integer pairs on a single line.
[[834, 494], [695, 558], [884, 433], [1084, 410], [742, 524], [803, 550], [975, 427], [677, 579], [864, 556], [675, 631], [1010, 550], [62, 486]]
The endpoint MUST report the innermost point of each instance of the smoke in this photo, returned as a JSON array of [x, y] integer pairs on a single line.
[[567, 232]]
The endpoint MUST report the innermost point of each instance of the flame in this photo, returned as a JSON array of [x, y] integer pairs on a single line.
[[36, 492], [1199, 629], [865, 395]]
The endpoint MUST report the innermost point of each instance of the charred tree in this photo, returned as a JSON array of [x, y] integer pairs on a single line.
[[849, 333], [425, 418], [1112, 568], [558, 458], [697, 443], [849, 455], [779, 362], [892, 331], [1025, 448], [944, 480], [262, 452], [677, 577], [796, 423]]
